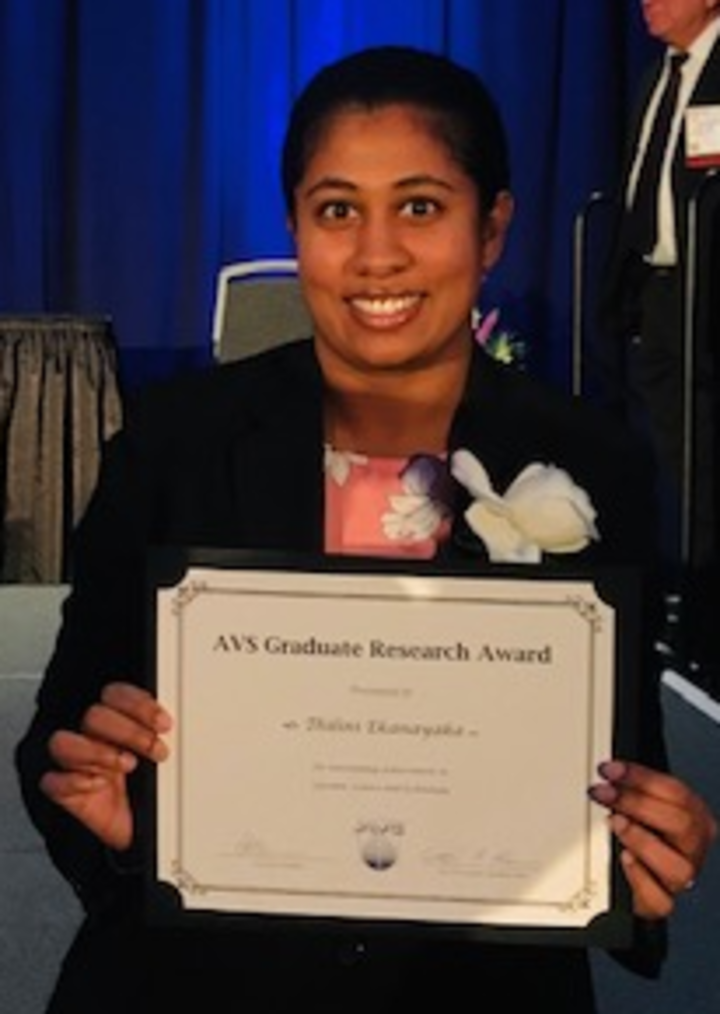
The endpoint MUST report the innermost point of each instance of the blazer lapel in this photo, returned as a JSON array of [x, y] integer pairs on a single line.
[[277, 465], [486, 424]]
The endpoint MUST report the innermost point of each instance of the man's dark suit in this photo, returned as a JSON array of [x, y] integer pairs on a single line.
[[234, 457], [644, 314], [685, 182]]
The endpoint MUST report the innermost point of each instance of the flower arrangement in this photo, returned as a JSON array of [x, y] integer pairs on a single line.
[[542, 511], [501, 343]]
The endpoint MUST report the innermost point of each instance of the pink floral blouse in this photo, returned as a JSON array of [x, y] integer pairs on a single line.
[[395, 507]]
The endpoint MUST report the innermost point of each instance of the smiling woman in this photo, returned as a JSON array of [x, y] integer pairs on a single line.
[[397, 189], [398, 211], [393, 244]]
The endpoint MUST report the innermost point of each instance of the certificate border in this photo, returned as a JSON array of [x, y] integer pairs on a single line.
[[619, 587]]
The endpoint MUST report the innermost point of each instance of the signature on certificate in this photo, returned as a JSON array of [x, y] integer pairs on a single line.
[[500, 864], [253, 850]]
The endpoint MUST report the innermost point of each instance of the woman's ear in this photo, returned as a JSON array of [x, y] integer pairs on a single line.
[[495, 227]]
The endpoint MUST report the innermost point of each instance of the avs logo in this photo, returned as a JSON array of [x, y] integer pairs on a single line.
[[379, 842]]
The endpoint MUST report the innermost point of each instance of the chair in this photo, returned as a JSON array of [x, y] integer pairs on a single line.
[[258, 304]]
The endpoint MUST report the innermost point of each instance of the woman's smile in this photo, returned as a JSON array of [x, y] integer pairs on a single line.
[[385, 312]]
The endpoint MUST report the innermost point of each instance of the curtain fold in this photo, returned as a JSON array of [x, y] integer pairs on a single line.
[[59, 401]]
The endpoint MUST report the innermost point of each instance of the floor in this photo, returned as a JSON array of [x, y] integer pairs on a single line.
[[38, 912]]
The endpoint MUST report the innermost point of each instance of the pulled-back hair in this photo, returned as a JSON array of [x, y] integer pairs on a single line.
[[457, 106]]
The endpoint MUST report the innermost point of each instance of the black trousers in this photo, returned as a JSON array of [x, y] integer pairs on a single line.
[[680, 420], [657, 381], [115, 967]]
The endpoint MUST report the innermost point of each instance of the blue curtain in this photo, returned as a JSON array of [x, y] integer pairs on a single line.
[[140, 139]]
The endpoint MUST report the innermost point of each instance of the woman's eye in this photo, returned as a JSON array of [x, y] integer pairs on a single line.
[[335, 211], [420, 207]]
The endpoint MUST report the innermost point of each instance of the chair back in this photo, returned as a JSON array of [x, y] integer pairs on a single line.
[[258, 305]]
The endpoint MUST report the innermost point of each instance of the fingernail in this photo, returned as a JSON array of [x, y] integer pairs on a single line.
[[627, 859], [619, 823], [163, 721], [613, 770], [603, 793], [127, 761]]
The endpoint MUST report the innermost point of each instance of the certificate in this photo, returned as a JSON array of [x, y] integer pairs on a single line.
[[386, 746]]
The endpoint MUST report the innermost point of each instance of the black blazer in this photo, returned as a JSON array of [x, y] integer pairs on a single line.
[[233, 457]]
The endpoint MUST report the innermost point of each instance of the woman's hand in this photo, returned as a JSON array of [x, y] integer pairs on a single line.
[[665, 830], [90, 780]]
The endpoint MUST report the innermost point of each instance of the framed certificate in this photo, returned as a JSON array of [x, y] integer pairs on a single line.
[[393, 745]]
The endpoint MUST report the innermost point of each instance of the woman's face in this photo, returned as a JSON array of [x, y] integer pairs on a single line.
[[390, 243]]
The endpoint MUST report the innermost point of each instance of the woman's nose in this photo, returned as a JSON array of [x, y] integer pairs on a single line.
[[380, 248]]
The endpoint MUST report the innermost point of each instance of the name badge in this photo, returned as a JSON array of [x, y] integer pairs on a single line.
[[702, 136]]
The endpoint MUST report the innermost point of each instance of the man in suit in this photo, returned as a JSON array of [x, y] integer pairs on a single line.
[[660, 305]]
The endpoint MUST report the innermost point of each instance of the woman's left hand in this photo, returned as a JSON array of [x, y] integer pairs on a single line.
[[665, 830]]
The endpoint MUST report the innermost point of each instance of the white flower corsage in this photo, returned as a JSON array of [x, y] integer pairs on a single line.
[[542, 511]]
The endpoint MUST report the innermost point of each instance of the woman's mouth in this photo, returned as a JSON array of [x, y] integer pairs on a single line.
[[385, 311]]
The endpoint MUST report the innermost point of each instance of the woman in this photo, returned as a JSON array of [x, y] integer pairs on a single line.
[[389, 433]]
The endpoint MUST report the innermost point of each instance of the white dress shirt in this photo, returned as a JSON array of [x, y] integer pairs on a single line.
[[665, 252]]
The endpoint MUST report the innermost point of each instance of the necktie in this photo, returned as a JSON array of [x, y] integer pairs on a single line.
[[643, 211]]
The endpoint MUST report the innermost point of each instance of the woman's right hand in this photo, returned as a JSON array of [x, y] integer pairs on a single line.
[[90, 778]]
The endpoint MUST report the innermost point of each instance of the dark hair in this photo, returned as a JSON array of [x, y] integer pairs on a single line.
[[459, 109]]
